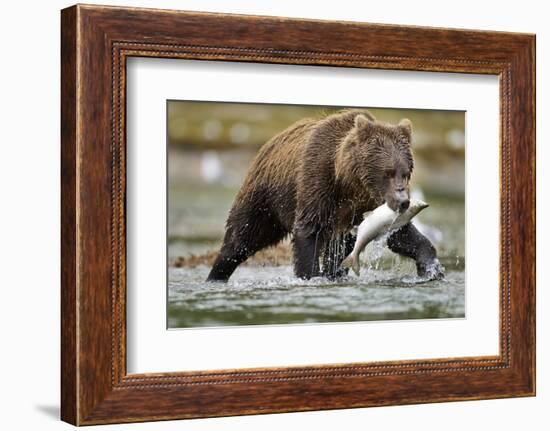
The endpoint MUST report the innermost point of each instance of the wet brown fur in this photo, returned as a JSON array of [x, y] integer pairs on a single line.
[[314, 179]]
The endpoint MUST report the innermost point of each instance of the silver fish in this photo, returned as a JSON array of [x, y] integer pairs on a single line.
[[377, 223]]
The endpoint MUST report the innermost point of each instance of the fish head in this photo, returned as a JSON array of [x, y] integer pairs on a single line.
[[417, 205]]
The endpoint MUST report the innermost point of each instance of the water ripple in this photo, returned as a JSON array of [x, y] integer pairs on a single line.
[[272, 295]]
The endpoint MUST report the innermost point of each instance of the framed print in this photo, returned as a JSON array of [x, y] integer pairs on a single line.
[[264, 215]]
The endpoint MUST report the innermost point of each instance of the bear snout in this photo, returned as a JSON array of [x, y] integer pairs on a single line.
[[404, 205]]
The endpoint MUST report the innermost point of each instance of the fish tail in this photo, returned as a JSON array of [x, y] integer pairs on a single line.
[[355, 265], [352, 261], [347, 262]]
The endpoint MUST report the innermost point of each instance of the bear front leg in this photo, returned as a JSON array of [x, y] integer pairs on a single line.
[[306, 254], [409, 242]]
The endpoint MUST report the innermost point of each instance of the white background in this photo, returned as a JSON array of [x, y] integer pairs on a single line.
[[151, 348], [29, 220]]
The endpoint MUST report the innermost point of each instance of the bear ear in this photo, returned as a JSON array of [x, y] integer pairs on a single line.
[[361, 121], [406, 125]]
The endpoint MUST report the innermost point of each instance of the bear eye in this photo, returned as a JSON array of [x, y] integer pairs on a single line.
[[389, 173]]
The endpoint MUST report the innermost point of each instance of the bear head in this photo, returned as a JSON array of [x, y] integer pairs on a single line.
[[378, 157]]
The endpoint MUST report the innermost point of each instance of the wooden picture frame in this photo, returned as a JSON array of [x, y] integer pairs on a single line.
[[96, 41]]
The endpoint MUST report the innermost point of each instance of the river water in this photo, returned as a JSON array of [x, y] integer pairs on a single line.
[[272, 295]]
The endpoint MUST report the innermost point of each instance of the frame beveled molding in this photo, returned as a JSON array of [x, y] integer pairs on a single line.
[[96, 42]]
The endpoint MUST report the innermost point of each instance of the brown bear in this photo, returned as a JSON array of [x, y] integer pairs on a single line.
[[314, 181]]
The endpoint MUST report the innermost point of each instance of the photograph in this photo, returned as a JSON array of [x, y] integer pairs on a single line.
[[295, 214]]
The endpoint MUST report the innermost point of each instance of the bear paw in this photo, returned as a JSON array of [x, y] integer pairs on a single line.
[[431, 270]]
